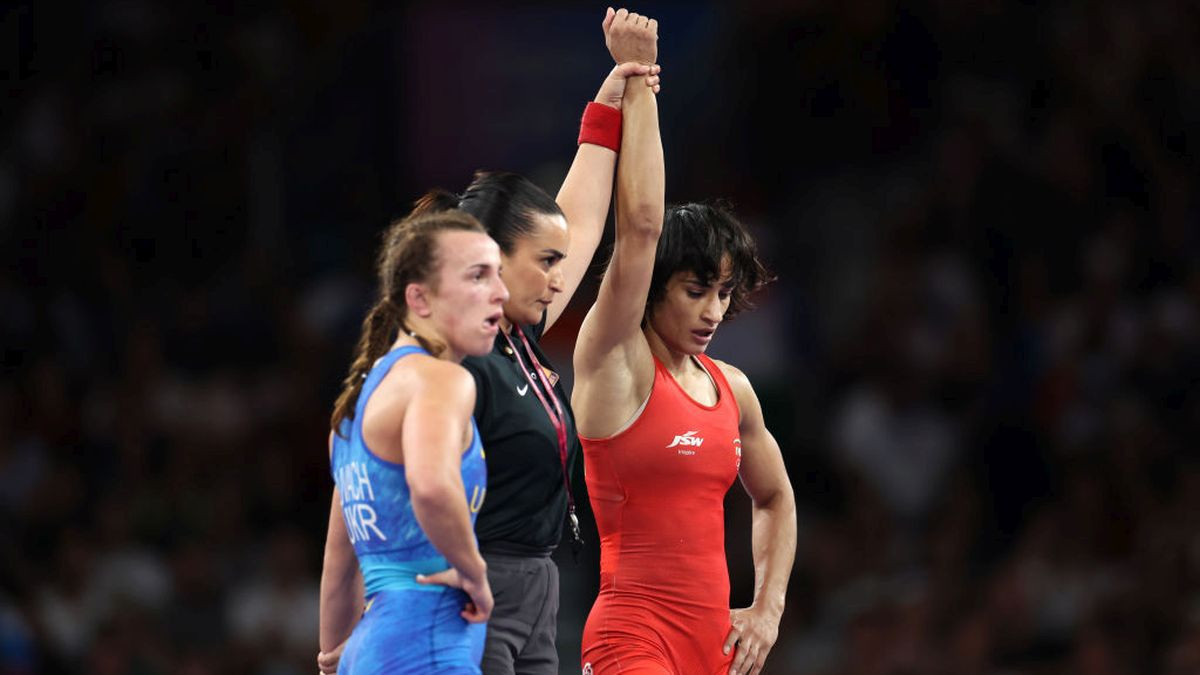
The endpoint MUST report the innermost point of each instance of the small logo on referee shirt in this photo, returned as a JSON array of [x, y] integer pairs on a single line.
[[523, 390]]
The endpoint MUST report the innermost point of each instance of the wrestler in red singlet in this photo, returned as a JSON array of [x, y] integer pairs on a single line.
[[657, 484], [658, 489]]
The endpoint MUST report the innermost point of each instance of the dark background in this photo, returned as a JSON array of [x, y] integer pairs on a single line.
[[981, 356]]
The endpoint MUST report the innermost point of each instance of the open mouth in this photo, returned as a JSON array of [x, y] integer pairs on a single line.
[[705, 333], [492, 322]]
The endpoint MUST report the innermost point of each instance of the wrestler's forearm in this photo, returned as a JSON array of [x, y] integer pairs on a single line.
[[584, 198], [341, 587], [442, 514], [774, 546], [340, 609], [641, 181]]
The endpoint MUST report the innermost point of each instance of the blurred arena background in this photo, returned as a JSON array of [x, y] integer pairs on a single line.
[[982, 355]]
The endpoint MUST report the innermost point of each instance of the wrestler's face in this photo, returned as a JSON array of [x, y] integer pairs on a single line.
[[466, 302], [533, 271], [688, 315]]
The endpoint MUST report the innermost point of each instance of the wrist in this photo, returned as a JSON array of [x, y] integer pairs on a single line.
[[771, 607], [601, 125], [477, 572]]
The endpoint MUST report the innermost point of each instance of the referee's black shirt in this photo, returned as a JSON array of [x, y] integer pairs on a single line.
[[526, 505]]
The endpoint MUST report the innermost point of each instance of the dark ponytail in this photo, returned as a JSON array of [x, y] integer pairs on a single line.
[[506, 204]]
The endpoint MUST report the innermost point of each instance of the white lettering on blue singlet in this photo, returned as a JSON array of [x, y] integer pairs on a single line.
[[366, 520], [354, 482]]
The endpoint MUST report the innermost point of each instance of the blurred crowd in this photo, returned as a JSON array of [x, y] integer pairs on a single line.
[[981, 357]]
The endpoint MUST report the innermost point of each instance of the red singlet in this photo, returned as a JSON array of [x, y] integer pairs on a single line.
[[657, 490]]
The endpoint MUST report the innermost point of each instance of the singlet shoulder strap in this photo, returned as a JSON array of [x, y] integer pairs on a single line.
[[379, 371], [660, 368], [723, 389]]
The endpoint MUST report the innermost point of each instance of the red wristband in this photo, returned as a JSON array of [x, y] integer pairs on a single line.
[[601, 125]]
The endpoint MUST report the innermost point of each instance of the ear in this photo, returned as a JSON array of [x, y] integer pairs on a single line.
[[416, 296]]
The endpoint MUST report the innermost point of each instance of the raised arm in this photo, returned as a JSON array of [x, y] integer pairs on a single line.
[[763, 474], [612, 328], [587, 190], [435, 424]]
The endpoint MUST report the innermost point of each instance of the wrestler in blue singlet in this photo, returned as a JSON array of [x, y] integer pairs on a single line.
[[407, 627]]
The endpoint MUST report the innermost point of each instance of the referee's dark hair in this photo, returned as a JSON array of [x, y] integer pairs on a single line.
[[696, 237], [409, 254], [504, 202]]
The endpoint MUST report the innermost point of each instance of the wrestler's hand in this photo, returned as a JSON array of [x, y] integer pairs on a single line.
[[630, 37], [327, 662], [612, 91], [480, 606], [754, 633]]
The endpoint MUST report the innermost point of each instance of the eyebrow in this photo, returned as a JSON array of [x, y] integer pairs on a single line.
[[555, 252]]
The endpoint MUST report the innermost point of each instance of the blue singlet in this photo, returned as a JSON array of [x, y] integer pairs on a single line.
[[407, 627]]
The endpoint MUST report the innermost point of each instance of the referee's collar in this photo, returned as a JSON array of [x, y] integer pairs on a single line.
[[502, 344], [502, 347]]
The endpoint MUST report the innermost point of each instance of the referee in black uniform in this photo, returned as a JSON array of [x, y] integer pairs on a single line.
[[524, 417], [523, 413], [523, 515]]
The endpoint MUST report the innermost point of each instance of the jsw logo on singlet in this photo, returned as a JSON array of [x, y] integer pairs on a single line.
[[688, 438]]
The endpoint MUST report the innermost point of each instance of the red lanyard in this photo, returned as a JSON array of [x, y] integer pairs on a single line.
[[557, 418]]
